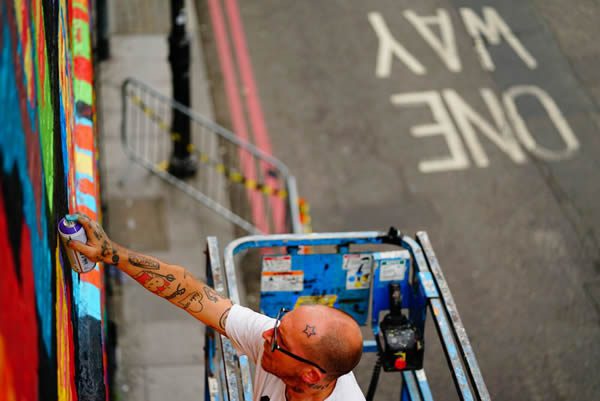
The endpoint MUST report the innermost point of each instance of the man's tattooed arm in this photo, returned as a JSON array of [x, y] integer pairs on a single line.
[[172, 282]]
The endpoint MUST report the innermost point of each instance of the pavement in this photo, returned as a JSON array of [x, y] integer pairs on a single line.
[[159, 351]]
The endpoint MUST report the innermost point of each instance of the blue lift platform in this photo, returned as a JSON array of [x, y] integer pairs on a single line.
[[388, 281]]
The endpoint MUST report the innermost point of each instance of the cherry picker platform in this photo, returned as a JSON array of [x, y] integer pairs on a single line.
[[388, 281]]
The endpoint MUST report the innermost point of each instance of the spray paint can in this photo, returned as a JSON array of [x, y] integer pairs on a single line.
[[72, 230]]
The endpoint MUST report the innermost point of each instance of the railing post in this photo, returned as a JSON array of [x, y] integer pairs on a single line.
[[182, 162]]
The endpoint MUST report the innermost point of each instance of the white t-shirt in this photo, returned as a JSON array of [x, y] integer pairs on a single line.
[[244, 328]]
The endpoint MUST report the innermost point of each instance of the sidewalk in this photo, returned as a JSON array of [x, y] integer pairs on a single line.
[[159, 347]]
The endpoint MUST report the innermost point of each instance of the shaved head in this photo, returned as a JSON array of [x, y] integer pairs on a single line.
[[331, 337]]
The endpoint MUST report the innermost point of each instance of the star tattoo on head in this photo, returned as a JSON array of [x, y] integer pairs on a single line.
[[309, 331]]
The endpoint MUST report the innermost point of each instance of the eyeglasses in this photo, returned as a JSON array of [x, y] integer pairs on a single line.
[[275, 346]]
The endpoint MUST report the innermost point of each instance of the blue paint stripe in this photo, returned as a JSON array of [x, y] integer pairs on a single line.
[[88, 200], [86, 152], [83, 121], [89, 301], [83, 176]]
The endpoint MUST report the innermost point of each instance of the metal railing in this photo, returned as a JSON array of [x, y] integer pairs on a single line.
[[251, 189]]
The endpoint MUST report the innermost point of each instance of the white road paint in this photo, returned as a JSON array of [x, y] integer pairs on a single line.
[[389, 47], [445, 45], [443, 126], [493, 27], [499, 132], [508, 130], [557, 118]]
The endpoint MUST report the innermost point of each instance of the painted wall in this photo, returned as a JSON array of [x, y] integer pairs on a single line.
[[51, 332]]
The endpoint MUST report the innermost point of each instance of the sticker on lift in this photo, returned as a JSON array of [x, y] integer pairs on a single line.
[[392, 270], [328, 300], [353, 261], [358, 277], [277, 263], [282, 281]]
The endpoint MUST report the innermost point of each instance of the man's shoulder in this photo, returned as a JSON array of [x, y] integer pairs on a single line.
[[347, 389]]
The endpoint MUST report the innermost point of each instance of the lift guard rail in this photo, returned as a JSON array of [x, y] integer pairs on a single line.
[[228, 376], [248, 187]]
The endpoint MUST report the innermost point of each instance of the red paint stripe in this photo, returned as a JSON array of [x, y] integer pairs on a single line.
[[83, 15], [257, 121], [235, 108], [83, 69]]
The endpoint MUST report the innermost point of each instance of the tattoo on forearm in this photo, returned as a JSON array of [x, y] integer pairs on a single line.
[[106, 249], [211, 294], [309, 331], [97, 232], [154, 282], [223, 318], [176, 293], [115, 257], [143, 262], [192, 302]]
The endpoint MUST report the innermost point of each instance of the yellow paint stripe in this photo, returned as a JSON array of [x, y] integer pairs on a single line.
[[84, 163]]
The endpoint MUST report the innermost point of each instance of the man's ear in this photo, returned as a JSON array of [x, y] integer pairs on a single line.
[[311, 375]]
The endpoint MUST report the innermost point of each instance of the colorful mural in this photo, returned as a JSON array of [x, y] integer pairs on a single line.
[[52, 344]]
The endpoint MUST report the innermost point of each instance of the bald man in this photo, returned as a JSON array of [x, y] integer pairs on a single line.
[[304, 354]]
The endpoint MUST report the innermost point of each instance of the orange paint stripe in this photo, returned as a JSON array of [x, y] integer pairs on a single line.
[[86, 210], [93, 277], [84, 137], [87, 187]]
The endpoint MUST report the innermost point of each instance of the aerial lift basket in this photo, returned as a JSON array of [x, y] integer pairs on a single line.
[[386, 281]]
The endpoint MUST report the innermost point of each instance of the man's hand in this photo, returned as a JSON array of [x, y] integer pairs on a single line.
[[99, 247]]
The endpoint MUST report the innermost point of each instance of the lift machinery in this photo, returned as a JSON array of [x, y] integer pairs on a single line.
[[387, 281]]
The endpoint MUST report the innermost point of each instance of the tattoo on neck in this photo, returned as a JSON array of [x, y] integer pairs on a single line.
[[318, 386], [310, 331]]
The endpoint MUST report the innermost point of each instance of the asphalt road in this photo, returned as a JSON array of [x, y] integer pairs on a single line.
[[490, 146]]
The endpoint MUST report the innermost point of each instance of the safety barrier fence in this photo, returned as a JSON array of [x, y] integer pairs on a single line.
[[235, 179]]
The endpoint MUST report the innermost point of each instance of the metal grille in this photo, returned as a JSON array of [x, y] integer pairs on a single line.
[[246, 186]]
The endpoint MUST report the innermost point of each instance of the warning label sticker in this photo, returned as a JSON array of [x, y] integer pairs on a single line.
[[328, 300], [358, 277], [392, 270], [353, 261], [277, 263], [282, 281]]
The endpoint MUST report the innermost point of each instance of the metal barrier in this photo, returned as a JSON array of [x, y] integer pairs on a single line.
[[248, 187]]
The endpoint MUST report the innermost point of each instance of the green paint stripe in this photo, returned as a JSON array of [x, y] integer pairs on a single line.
[[83, 91], [81, 48]]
